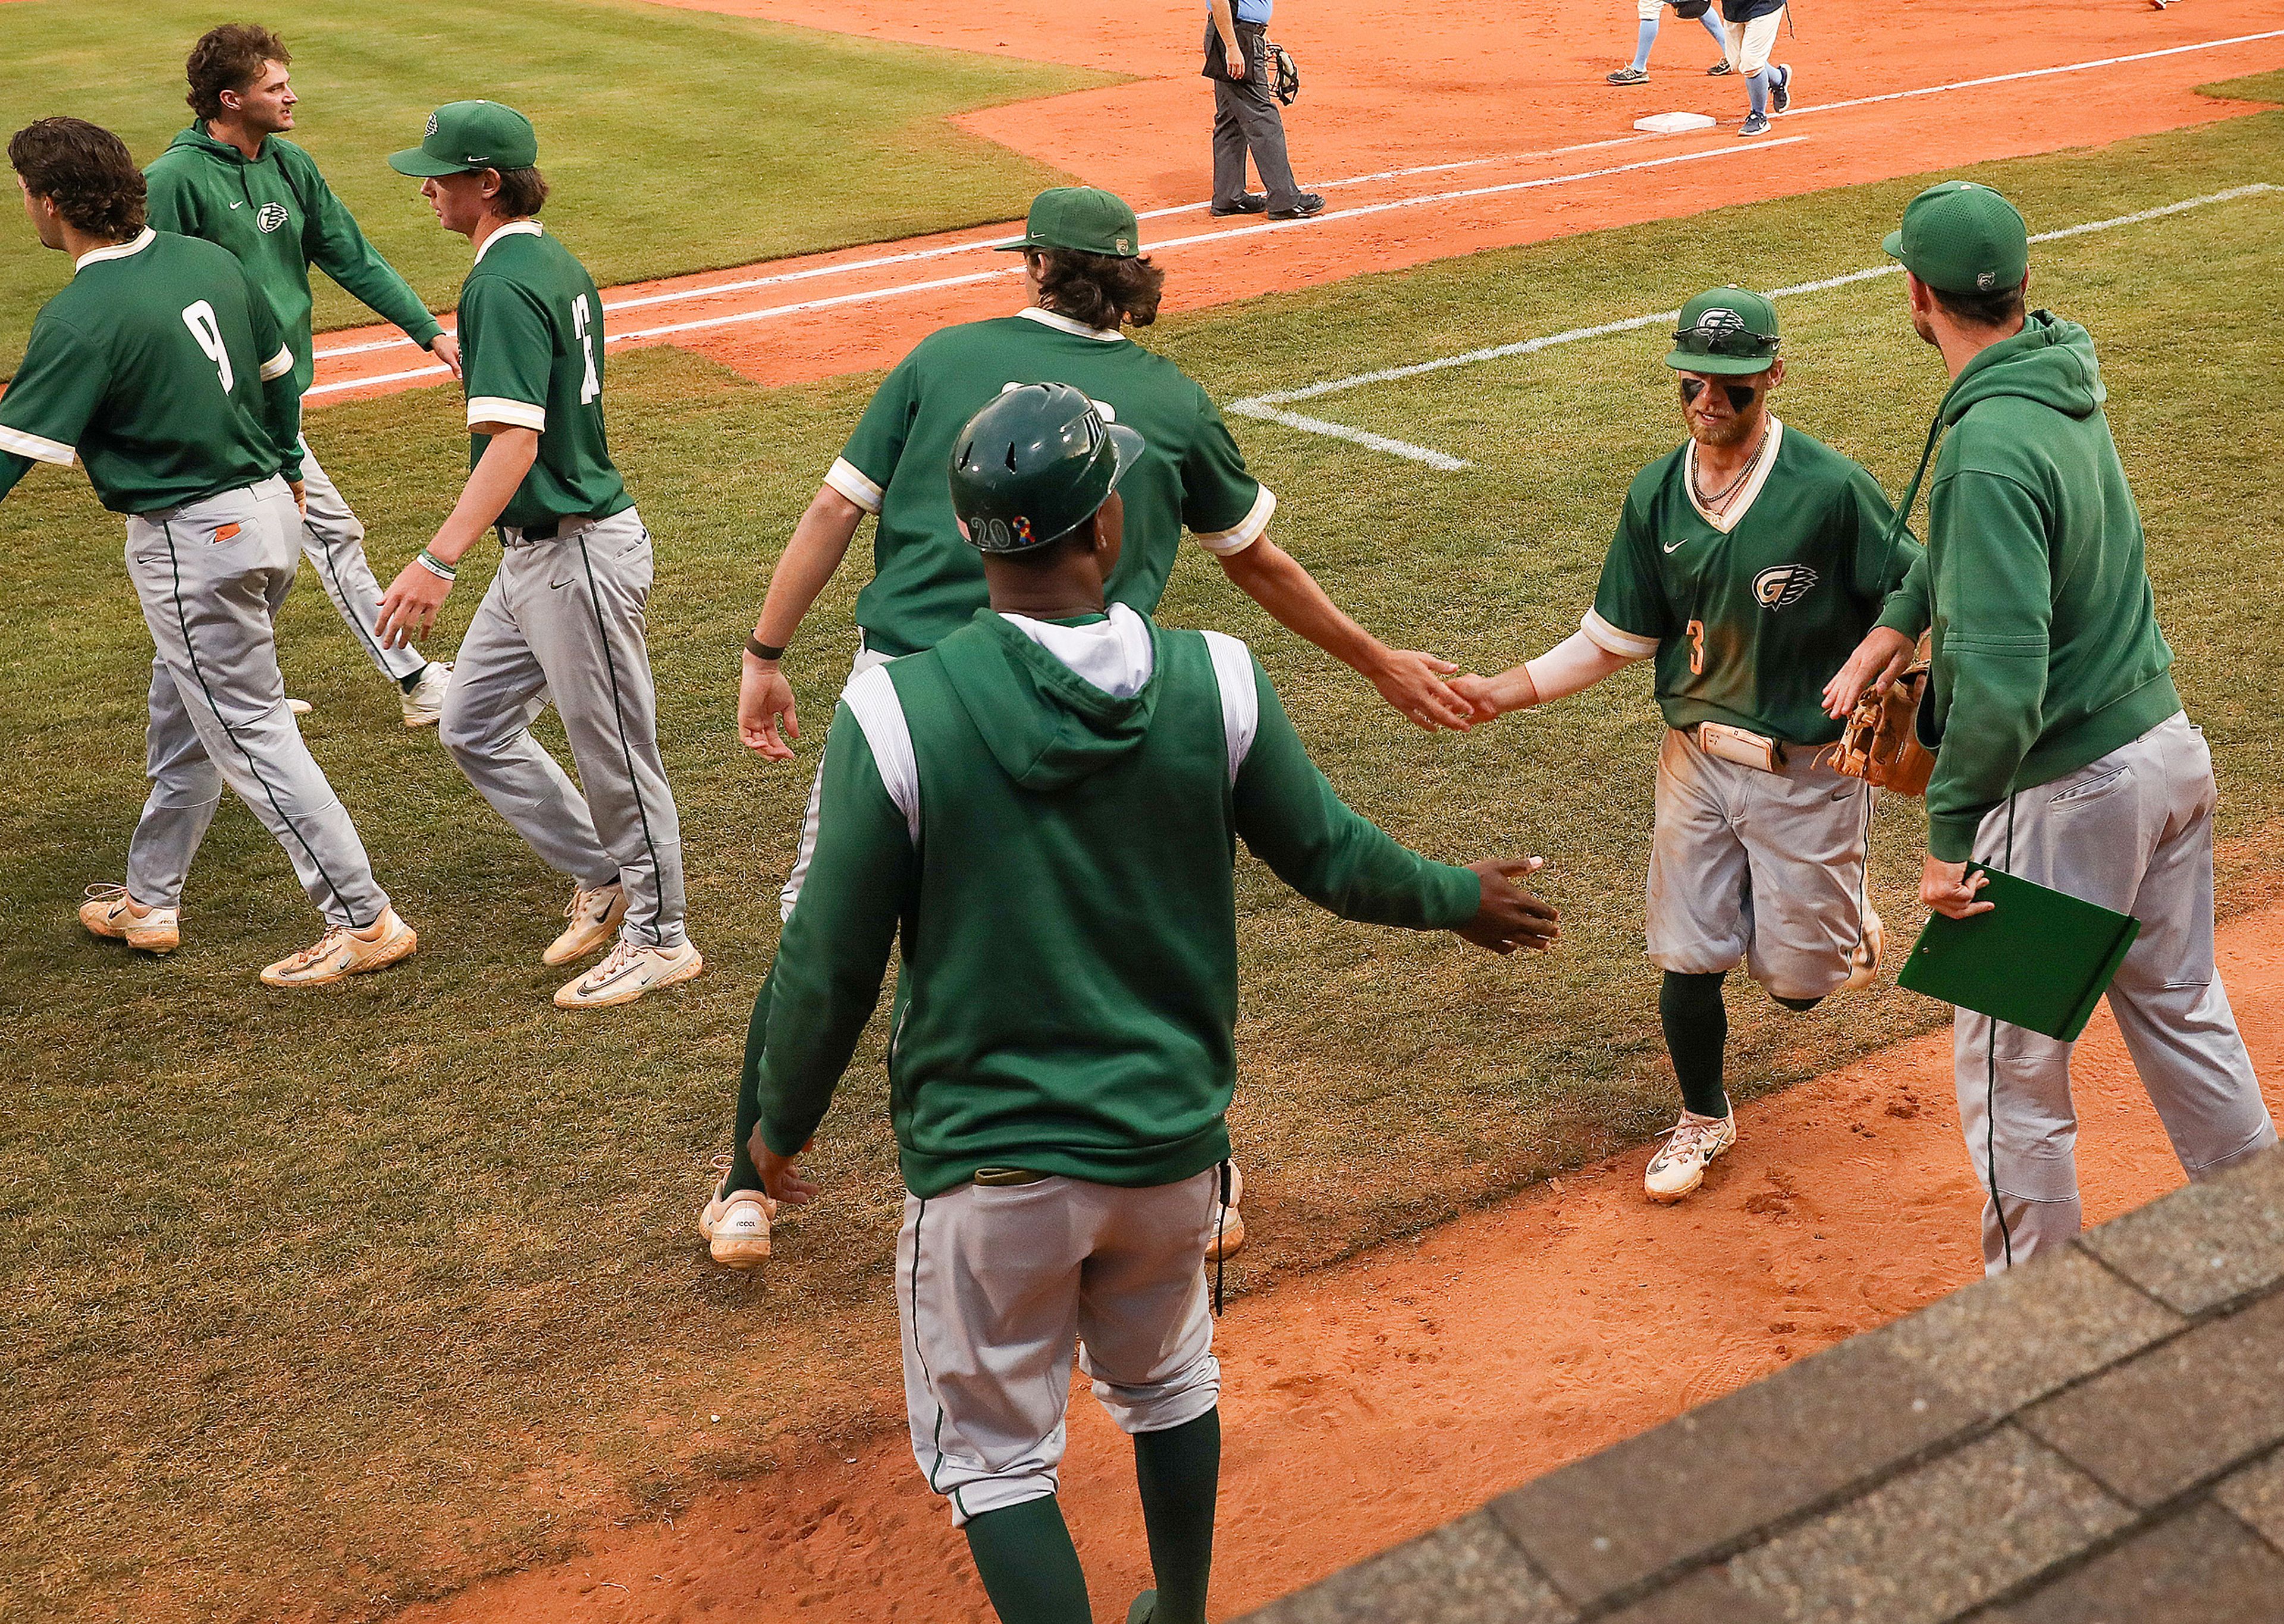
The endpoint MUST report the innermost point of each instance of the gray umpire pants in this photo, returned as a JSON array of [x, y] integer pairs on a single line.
[[333, 539], [1246, 118], [564, 617], [210, 576], [2132, 831]]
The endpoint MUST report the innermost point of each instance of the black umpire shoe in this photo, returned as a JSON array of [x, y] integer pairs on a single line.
[[1250, 203], [1780, 93], [1719, 70], [1629, 76], [1308, 203]]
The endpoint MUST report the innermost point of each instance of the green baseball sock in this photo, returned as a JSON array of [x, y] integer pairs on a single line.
[[1179, 1473], [1028, 1566], [743, 1174], [1696, 1030]]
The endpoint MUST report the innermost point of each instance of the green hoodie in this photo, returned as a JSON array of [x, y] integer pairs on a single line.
[[279, 216], [1060, 863], [2047, 654]]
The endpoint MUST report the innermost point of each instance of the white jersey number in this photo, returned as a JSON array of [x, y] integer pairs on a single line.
[[582, 322], [200, 318]]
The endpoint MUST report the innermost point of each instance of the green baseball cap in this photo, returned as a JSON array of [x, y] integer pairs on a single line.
[[1086, 218], [470, 135], [1963, 238], [1729, 332]]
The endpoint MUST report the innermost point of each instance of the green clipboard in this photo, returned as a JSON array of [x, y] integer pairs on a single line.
[[2040, 958]]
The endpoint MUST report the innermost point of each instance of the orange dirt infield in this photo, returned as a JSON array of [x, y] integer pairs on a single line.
[[1493, 97], [1369, 1402]]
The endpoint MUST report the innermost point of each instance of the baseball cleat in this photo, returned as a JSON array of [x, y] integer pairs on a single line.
[[1755, 124], [424, 701], [1693, 1145], [631, 971], [110, 911], [736, 1224], [299, 708], [1306, 204], [1629, 76], [1863, 958], [1225, 1231], [1719, 70], [341, 953], [595, 912], [1251, 203], [1780, 93]]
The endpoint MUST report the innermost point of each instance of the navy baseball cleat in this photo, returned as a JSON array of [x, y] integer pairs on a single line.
[[1755, 124], [1720, 69], [1780, 93]]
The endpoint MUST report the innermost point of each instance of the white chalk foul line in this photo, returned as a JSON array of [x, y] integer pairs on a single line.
[[1268, 406], [738, 317]]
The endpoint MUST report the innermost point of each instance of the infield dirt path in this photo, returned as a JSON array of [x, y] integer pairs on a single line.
[[1369, 1402], [1492, 96]]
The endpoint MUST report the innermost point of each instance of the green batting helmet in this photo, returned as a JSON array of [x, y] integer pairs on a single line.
[[1035, 464]]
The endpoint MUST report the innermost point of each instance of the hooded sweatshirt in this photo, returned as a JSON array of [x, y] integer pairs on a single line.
[[1058, 857], [279, 216], [2047, 651]]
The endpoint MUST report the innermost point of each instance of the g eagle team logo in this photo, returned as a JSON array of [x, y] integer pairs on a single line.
[[269, 216], [1721, 319], [431, 126], [1783, 586]]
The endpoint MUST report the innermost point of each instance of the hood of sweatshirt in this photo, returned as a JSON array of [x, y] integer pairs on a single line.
[[1048, 727], [197, 139], [2051, 361]]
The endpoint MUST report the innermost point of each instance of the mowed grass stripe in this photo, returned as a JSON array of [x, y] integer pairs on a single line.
[[318, 1301]]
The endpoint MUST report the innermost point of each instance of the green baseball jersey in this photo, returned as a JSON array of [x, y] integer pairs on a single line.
[[1750, 612], [531, 355], [159, 365], [926, 581], [279, 216]]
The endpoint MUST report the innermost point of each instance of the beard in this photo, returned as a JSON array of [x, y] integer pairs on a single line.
[[1725, 431]]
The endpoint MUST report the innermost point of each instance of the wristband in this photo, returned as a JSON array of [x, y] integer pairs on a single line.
[[434, 565], [760, 649]]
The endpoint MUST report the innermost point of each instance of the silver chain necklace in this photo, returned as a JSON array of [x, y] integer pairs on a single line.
[[1721, 497]]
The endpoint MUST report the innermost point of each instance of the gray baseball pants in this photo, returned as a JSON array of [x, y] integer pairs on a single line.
[[2132, 831], [995, 1285], [1246, 118], [564, 617], [806, 849], [333, 539], [210, 576]]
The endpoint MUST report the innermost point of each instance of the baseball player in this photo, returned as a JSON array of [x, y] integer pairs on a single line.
[[1085, 277], [232, 178], [160, 365], [1042, 808], [1743, 563], [2065, 755], [1748, 31], [1649, 14], [564, 614]]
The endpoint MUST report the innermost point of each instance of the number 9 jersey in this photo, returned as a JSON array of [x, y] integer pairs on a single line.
[[161, 367], [531, 354]]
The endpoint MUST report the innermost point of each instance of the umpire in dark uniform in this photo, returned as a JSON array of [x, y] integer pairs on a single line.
[[1247, 117]]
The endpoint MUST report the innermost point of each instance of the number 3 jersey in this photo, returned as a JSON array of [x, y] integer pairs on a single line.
[[160, 366], [1749, 612], [531, 357]]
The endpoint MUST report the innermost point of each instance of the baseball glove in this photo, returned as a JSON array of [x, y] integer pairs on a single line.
[[1284, 76], [1880, 744]]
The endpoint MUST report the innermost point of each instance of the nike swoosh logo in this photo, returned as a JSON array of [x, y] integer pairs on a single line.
[[557, 586], [1671, 546], [237, 206]]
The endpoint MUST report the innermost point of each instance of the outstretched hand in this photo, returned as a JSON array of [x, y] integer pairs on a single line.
[[1413, 683], [1882, 657], [1510, 917]]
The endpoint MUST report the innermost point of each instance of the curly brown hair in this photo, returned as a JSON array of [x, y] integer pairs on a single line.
[[1099, 289], [228, 58], [85, 171]]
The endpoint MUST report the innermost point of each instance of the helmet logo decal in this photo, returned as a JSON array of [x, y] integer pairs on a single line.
[[1021, 527], [1783, 586]]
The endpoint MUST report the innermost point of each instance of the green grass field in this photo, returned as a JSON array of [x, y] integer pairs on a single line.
[[680, 140], [316, 1305]]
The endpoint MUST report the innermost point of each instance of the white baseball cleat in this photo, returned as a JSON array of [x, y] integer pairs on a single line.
[[631, 971], [110, 911], [341, 953], [424, 701], [1693, 1143], [736, 1225], [1863, 958], [300, 707], [594, 912], [1225, 1231]]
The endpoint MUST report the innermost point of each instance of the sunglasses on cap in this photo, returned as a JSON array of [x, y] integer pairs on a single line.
[[1731, 340], [1740, 395]]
